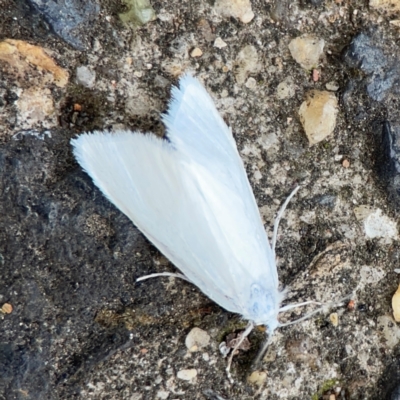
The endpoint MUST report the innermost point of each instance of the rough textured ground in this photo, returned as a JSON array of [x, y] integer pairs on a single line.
[[81, 327]]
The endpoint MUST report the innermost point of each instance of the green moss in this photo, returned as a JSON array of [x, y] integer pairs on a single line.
[[327, 385], [327, 146], [139, 13]]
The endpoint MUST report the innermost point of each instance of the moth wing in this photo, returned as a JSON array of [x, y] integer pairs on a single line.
[[196, 129], [190, 196], [149, 182]]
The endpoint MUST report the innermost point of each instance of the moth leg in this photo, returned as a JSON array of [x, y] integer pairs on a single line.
[[244, 335], [181, 276], [279, 216], [262, 351]]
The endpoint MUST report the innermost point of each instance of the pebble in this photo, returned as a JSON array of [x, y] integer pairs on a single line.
[[187, 374], [371, 275], [197, 339], [196, 52], [390, 6], [162, 394], [251, 83], [219, 43], [396, 305], [316, 75], [334, 318], [301, 351], [318, 115], [332, 86], [286, 89], [205, 29], [240, 9], [71, 20], [139, 12], [362, 212], [85, 77], [366, 53], [389, 330], [246, 62], [24, 57], [307, 50], [257, 378], [6, 308], [376, 225], [346, 163], [179, 46], [35, 105]]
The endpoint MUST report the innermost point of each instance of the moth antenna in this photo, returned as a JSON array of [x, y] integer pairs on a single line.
[[279, 216], [305, 303], [310, 314], [263, 350], [243, 336], [175, 275]]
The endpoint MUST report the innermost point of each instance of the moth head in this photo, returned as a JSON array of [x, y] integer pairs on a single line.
[[264, 306]]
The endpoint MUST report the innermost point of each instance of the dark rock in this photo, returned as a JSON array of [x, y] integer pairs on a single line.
[[388, 387], [382, 72], [326, 200], [59, 270], [316, 3], [69, 19], [388, 157], [379, 87], [395, 394]]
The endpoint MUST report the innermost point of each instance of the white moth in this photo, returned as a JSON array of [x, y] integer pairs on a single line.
[[190, 196]]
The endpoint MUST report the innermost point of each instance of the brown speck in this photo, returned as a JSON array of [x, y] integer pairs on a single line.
[[351, 305], [346, 163], [316, 75]]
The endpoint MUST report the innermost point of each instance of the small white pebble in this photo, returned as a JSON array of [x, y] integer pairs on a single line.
[[197, 339], [219, 43], [251, 83], [332, 86], [85, 77], [162, 394], [285, 89], [187, 374]]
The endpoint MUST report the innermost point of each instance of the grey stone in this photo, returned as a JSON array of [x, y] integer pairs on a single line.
[[69, 19]]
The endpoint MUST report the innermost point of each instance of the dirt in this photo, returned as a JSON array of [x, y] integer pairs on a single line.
[[81, 327]]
